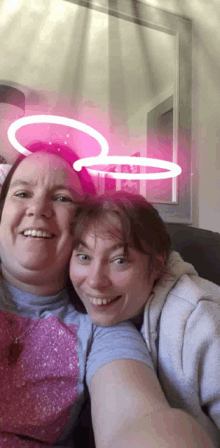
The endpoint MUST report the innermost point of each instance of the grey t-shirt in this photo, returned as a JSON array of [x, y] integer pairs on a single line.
[[60, 350]]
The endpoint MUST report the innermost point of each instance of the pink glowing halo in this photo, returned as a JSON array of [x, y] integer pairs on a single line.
[[173, 169], [54, 119], [103, 158]]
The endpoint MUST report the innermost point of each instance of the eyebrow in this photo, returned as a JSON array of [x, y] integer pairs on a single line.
[[111, 249], [18, 182]]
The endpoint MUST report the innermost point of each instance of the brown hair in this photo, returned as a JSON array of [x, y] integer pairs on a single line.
[[64, 152], [141, 226]]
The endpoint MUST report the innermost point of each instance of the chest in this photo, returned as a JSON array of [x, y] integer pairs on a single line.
[[38, 384]]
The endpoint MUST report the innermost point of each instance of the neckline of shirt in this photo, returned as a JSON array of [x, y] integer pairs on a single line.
[[26, 299]]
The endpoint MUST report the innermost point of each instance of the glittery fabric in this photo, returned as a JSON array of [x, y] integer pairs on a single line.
[[13, 441], [39, 389]]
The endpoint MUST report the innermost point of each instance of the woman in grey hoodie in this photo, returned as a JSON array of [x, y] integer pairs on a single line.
[[122, 268]]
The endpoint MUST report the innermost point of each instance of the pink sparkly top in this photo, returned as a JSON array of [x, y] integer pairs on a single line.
[[43, 387]]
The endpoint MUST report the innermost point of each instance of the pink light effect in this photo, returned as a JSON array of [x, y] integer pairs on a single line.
[[173, 169], [103, 158], [53, 119]]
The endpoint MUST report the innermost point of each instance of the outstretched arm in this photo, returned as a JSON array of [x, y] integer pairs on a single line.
[[129, 410], [167, 429]]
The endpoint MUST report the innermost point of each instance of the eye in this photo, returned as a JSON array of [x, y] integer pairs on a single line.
[[62, 198], [22, 194], [83, 258], [120, 261]]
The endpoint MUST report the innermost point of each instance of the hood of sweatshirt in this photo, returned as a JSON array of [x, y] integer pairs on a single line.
[[176, 267]]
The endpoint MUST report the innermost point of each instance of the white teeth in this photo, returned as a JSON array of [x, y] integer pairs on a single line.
[[38, 233], [96, 301]]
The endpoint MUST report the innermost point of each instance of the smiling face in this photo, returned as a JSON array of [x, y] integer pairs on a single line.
[[35, 228], [113, 285]]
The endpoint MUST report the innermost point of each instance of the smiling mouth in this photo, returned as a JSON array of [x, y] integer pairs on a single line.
[[101, 302], [38, 234]]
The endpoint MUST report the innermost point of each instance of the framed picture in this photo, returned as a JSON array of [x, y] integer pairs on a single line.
[[130, 185]]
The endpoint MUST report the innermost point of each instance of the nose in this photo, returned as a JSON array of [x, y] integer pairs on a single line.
[[40, 207], [98, 278]]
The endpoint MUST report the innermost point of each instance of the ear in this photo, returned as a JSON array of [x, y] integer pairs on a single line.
[[159, 262]]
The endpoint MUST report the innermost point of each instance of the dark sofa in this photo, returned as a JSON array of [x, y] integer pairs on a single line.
[[199, 247]]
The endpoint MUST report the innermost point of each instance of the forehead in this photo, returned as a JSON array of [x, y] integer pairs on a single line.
[[49, 168], [101, 242], [104, 232]]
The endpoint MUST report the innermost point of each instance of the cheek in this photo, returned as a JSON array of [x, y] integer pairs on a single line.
[[12, 216], [137, 283], [125, 280], [7, 224], [77, 273], [65, 218]]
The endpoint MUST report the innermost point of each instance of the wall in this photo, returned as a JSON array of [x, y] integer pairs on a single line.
[[45, 62], [205, 106]]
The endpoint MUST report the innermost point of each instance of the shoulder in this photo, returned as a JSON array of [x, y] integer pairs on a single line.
[[192, 289], [123, 331], [190, 317], [121, 341]]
